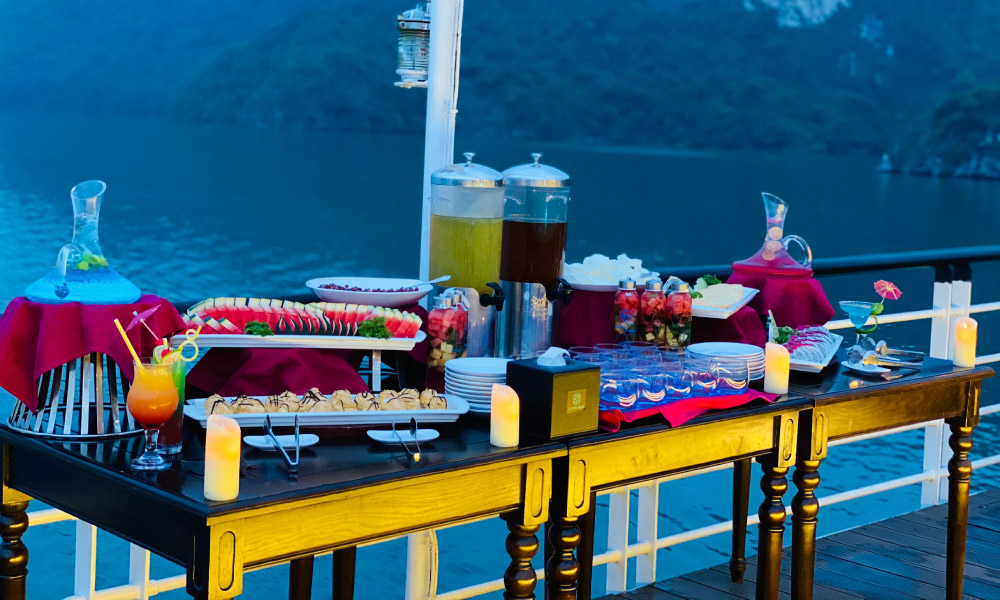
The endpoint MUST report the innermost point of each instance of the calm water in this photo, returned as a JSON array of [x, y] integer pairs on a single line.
[[194, 211]]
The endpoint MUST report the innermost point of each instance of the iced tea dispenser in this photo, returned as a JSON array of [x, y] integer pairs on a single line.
[[532, 256]]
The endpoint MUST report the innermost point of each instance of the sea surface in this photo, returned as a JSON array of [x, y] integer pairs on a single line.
[[195, 211]]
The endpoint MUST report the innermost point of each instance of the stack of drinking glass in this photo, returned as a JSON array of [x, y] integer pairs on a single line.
[[638, 375]]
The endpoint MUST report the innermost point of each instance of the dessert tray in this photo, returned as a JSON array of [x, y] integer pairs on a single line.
[[814, 366], [242, 340], [380, 291], [454, 408]]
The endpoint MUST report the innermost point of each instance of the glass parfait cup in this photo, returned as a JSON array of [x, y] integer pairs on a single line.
[[152, 400]]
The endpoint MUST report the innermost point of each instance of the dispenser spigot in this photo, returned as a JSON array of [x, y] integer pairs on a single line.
[[563, 292], [495, 299]]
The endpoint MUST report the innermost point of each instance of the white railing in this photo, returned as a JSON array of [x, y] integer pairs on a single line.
[[951, 300]]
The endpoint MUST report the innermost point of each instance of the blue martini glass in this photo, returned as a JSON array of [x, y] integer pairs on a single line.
[[858, 313]]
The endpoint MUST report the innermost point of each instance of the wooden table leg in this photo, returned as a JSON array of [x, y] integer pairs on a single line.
[[300, 578], [522, 544], [13, 553], [585, 553], [959, 477], [805, 512], [742, 473], [772, 527], [344, 562]]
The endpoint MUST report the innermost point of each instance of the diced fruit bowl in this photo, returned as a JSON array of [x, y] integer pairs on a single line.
[[389, 292]]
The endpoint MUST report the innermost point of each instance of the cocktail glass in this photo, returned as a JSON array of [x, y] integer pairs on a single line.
[[858, 313], [151, 401]]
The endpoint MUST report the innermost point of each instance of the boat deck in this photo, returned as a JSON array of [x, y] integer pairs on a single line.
[[899, 558]]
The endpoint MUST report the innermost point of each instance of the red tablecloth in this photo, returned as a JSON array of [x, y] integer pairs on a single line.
[[35, 338], [264, 371], [682, 411], [590, 319], [795, 301]]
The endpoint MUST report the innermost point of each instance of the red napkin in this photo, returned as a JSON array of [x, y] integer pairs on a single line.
[[35, 338], [680, 412], [795, 301]]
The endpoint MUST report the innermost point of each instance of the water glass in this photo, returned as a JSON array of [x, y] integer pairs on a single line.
[[652, 386], [704, 376], [619, 389], [677, 381], [734, 378], [641, 348], [612, 351], [586, 354]]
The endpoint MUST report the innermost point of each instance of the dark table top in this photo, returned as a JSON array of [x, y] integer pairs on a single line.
[[837, 383], [335, 464]]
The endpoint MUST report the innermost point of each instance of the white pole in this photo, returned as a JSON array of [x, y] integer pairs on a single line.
[[442, 105]]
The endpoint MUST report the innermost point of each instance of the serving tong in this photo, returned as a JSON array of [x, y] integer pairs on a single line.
[[883, 350], [413, 434], [293, 465]]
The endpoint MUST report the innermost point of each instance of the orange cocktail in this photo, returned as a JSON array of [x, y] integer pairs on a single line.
[[152, 400]]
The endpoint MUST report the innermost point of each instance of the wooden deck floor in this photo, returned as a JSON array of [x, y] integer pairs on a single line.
[[900, 558]]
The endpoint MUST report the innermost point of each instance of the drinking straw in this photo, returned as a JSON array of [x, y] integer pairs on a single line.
[[121, 330]]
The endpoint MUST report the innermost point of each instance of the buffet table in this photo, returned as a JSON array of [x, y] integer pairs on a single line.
[[610, 460], [347, 492], [845, 406]]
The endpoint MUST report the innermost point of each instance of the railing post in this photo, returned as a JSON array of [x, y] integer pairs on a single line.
[[85, 571], [421, 565], [138, 570], [616, 581], [934, 438], [646, 532]]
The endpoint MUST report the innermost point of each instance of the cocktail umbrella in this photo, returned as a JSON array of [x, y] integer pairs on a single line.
[[140, 317], [887, 290]]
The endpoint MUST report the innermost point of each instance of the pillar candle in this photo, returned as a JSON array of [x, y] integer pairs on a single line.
[[965, 342], [776, 362], [505, 416], [222, 458]]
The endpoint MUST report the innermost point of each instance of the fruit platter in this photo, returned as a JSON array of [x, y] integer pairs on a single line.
[[315, 409], [379, 291], [712, 299], [272, 323]]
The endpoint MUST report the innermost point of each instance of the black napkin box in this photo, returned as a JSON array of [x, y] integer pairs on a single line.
[[556, 402]]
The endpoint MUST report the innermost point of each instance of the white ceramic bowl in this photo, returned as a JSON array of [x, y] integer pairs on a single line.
[[386, 299]]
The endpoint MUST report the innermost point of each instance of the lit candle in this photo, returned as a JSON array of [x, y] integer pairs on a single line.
[[222, 458], [965, 342], [505, 416], [776, 362]]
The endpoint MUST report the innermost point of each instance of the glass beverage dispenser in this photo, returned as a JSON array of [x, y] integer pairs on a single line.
[[531, 261], [467, 203]]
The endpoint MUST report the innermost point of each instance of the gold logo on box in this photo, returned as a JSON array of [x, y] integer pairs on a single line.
[[576, 401]]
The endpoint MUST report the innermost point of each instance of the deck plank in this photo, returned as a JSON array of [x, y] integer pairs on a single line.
[[897, 559]]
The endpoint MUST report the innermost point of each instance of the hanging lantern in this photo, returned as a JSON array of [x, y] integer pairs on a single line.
[[414, 45]]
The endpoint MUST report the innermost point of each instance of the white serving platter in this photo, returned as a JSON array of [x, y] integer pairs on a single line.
[[389, 438], [265, 443], [866, 369], [346, 342], [195, 409], [816, 367], [711, 312], [386, 299]]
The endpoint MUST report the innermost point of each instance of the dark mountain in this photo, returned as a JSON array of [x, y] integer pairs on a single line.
[[826, 75]]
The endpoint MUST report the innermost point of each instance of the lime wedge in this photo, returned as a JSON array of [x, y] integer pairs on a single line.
[[878, 308]]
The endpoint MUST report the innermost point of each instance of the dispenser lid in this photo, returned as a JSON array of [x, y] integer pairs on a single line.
[[679, 286], [654, 284], [626, 284], [468, 174], [536, 175]]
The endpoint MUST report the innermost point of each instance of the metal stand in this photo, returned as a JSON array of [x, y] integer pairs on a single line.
[[81, 400]]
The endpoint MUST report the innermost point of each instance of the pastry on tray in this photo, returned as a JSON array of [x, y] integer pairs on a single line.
[[425, 397], [217, 405], [245, 404], [437, 403], [311, 399], [410, 398], [282, 403], [366, 401], [395, 403], [347, 403]]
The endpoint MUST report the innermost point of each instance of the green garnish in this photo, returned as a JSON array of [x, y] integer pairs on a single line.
[[258, 328], [374, 328], [784, 333], [711, 279], [695, 295]]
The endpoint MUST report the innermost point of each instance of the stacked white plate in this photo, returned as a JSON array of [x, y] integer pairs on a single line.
[[472, 380], [730, 353]]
